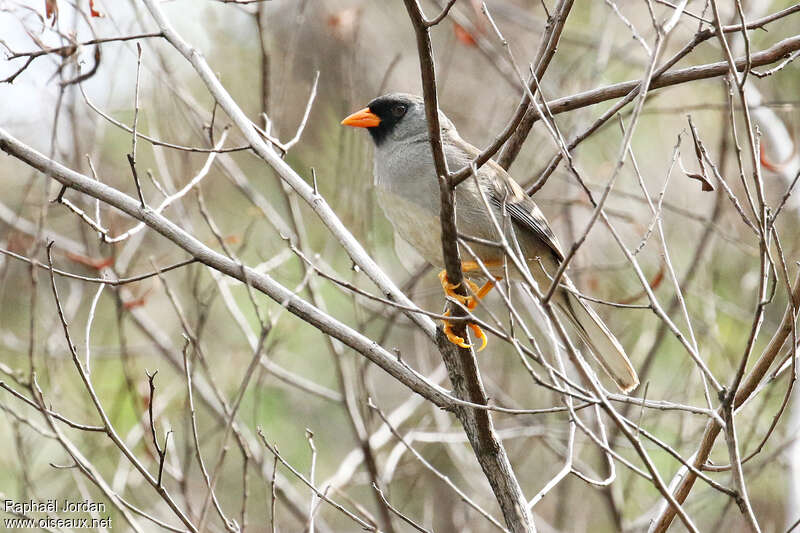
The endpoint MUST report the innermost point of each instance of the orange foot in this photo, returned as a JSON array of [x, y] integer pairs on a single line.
[[459, 341], [470, 302]]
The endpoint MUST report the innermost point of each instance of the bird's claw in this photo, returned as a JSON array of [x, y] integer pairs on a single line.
[[459, 341], [470, 302], [476, 329], [447, 328]]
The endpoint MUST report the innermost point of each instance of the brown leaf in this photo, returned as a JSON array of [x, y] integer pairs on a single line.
[[705, 184], [18, 242], [51, 10], [702, 177], [658, 278]]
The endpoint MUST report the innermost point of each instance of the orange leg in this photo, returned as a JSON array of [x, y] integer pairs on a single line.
[[483, 291], [470, 302]]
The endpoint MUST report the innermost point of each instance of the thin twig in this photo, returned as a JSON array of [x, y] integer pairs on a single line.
[[132, 155]]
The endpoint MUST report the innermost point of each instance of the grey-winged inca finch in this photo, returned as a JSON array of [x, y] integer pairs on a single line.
[[408, 191]]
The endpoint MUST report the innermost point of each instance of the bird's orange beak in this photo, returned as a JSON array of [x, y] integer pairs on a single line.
[[362, 119]]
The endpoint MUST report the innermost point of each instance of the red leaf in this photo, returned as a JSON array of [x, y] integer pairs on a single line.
[[132, 304], [654, 284], [51, 10], [96, 264], [463, 36], [658, 278], [92, 10], [775, 167], [764, 161], [138, 302]]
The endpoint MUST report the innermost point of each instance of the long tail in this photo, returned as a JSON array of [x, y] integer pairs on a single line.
[[604, 346]]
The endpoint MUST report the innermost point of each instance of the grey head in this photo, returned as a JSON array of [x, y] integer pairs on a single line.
[[402, 118]]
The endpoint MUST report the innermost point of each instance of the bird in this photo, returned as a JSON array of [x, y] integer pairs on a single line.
[[407, 190]]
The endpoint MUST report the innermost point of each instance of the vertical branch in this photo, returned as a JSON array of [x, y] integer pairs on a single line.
[[736, 467], [273, 498], [89, 321], [132, 156], [161, 452], [348, 398], [261, 25], [461, 362], [311, 475]]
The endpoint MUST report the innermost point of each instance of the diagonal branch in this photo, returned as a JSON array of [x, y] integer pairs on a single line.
[[308, 193], [629, 90], [712, 429], [261, 282]]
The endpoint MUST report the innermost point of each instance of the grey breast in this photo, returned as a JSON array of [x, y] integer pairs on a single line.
[[408, 193]]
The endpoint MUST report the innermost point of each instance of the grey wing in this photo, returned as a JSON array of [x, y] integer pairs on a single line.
[[521, 208], [502, 188]]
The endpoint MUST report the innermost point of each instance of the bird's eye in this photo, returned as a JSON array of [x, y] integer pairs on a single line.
[[398, 110]]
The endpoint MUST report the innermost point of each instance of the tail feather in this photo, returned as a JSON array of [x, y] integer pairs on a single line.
[[605, 348]]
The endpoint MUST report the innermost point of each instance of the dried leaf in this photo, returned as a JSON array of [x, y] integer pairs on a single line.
[[51, 10], [137, 302], [463, 36], [705, 184], [132, 304], [92, 11], [658, 278], [18, 242], [702, 177], [90, 262]]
